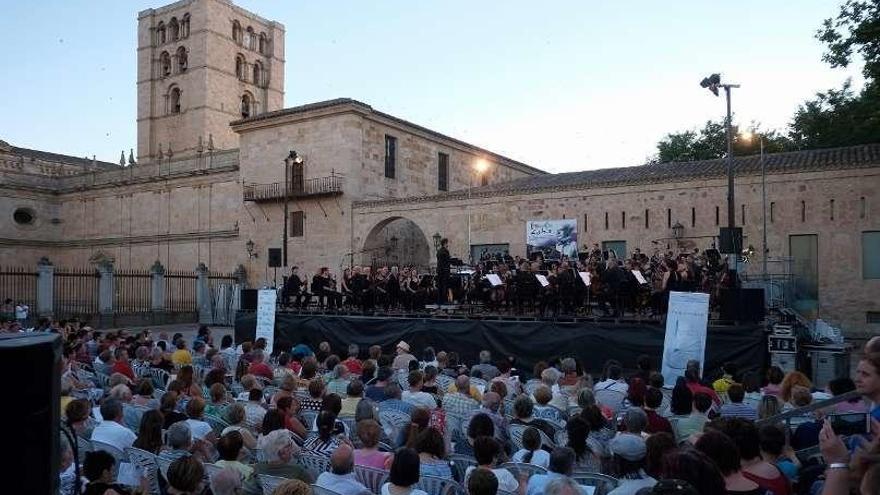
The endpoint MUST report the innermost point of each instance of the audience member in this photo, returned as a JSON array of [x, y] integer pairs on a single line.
[[369, 432], [723, 452], [628, 453], [403, 475], [531, 453], [486, 452], [735, 408], [111, 430], [279, 450]]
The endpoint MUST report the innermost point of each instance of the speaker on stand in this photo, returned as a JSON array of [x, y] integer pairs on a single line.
[[275, 262]]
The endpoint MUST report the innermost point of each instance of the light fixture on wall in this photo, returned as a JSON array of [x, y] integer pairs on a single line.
[[677, 230], [436, 238], [249, 246]]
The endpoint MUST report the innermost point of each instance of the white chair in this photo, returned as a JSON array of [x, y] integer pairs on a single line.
[[149, 468], [314, 464], [518, 468], [270, 483], [110, 449], [602, 482], [393, 422], [319, 490], [613, 399], [435, 485], [160, 378], [217, 423], [460, 463], [371, 478]]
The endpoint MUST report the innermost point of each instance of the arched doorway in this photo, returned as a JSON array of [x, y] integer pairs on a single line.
[[395, 241]]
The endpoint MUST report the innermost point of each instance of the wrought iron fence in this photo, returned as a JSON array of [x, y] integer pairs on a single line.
[[19, 284], [75, 292], [132, 291], [180, 292], [224, 297]]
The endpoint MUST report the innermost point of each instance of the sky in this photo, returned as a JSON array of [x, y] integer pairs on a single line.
[[563, 86]]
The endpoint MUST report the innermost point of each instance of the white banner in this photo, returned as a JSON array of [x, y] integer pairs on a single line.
[[266, 316], [685, 333], [552, 238]]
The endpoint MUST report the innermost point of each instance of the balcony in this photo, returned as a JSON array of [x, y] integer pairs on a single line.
[[310, 188]]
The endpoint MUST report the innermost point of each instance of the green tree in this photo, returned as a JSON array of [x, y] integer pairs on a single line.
[[710, 143]]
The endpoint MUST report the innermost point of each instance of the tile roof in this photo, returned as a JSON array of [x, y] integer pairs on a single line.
[[59, 158]]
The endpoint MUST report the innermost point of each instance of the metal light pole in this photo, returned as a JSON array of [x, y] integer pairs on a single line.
[[712, 83], [763, 204]]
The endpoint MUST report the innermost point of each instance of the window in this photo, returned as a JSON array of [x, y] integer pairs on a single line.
[[160, 34], [742, 215], [831, 208], [240, 66], [165, 64], [668, 218], [174, 100], [871, 254], [623, 220], [236, 32], [258, 73], [484, 179], [772, 210], [442, 172], [585, 222], [181, 59], [647, 218], [174, 29], [863, 208], [184, 26], [606, 220], [693, 217], [803, 211], [717, 216], [24, 216], [297, 223], [250, 40], [264, 44], [247, 105], [390, 156]]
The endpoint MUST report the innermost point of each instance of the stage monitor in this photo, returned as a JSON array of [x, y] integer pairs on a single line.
[[248, 301], [274, 257]]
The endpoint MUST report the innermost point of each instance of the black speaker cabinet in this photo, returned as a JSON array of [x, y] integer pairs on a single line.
[[248, 300], [274, 257], [730, 240], [746, 305], [32, 362]]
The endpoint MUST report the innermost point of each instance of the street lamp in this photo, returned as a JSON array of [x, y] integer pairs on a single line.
[[437, 237], [712, 83], [677, 231], [748, 136], [480, 167], [292, 158], [249, 247]]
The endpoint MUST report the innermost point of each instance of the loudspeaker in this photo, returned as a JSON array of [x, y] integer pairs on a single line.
[[745, 305], [274, 257], [730, 240], [33, 362], [248, 300]]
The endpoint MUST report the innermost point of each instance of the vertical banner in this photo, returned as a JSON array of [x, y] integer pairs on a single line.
[[552, 238], [266, 316], [685, 333]]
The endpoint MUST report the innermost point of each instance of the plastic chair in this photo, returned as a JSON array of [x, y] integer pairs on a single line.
[[613, 399], [516, 434], [217, 424], [269, 483], [602, 482], [519, 468], [393, 422], [371, 478], [318, 490], [85, 445], [435, 485], [149, 468], [460, 463], [314, 464], [163, 466], [160, 378], [110, 449]]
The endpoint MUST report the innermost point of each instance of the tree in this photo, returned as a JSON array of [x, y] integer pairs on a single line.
[[710, 143]]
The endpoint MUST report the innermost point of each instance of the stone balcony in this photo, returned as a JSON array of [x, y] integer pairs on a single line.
[[309, 188]]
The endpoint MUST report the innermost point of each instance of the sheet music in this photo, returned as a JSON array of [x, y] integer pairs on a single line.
[[639, 277], [542, 279], [494, 279], [585, 276]]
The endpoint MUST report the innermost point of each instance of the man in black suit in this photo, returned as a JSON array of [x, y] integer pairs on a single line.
[[295, 288], [443, 269]]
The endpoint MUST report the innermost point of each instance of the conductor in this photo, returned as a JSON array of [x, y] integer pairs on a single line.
[[443, 266]]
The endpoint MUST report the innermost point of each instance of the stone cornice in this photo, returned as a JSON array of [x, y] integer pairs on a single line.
[[120, 241]]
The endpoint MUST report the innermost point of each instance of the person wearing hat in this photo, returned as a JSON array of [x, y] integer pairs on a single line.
[[628, 456], [401, 361]]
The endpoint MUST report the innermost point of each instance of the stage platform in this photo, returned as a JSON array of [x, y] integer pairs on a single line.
[[592, 341]]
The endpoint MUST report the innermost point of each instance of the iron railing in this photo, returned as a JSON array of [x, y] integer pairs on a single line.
[[75, 292], [180, 292], [132, 291], [319, 186], [19, 284]]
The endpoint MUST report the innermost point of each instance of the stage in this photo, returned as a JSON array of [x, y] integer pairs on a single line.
[[591, 342]]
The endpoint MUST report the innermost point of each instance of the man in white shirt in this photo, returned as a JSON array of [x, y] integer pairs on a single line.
[[341, 478], [401, 361], [414, 395], [111, 430]]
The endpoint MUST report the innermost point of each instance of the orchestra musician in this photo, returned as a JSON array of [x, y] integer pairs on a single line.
[[295, 287], [444, 265]]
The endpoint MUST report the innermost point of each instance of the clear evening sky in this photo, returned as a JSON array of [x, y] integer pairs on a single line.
[[561, 85]]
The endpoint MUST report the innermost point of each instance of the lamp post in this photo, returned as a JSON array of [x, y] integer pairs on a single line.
[[749, 136], [480, 167], [292, 158], [712, 83]]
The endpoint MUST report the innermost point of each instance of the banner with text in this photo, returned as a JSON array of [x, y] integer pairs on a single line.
[[266, 299], [552, 238], [685, 339]]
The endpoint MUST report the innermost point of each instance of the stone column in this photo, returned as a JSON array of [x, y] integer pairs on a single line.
[[45, 287], [157, 287], [105, 288], [203, 295]]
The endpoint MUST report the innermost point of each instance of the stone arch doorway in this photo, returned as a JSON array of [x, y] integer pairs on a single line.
[[395, 241]]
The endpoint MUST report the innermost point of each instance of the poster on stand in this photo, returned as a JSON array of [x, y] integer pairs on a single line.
[[552, 238], [686, 323], [266, 299]]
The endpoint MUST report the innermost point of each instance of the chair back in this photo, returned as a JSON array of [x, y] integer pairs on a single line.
[[436, 485], [131, 415], [103, 380], [320, 490], [602, 482], [163, 466], [517, 469], [460, 463], [314, 464], [371, 478], [393, 422], [217, 423], [613, 399], [350, 426], [480, 384], [516, 434], [85, 445], [308, 417], [443, 383], [110, 449], [269, 483], [160, 378], [149, 468]]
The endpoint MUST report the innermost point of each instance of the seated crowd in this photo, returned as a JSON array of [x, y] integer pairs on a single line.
[[231, 419]]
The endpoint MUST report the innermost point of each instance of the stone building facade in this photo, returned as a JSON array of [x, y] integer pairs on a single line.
[[208, 184]]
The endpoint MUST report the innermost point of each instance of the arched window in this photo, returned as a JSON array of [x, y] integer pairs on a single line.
[[181, 59], [264, 44], [250, 40], [160, 33], [184, 26], [240, 66], [174, 100], [247, 104], [236, 32], [165, 64], [174, 27], [258, 73]]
